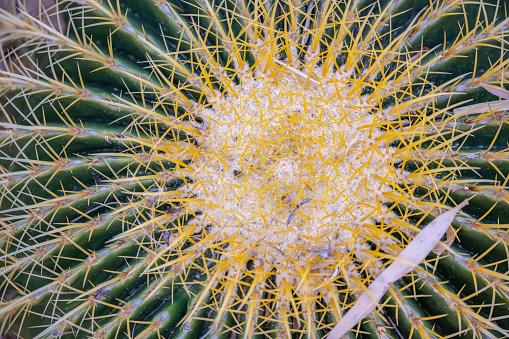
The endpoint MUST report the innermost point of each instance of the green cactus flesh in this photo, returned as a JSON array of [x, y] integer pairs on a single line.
[[189, 169]]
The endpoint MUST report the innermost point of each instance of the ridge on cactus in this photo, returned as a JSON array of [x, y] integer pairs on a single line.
[[413, 254], [203, 169]]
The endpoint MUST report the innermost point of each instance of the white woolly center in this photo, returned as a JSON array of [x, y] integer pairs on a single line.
[[272, 143]]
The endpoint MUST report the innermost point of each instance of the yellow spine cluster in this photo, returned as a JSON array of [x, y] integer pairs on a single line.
[[294, 193]]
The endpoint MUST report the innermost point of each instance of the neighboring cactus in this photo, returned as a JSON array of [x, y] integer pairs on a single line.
[[233, 168]]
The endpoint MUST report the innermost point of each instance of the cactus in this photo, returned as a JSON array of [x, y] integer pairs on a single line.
[[192, 169]]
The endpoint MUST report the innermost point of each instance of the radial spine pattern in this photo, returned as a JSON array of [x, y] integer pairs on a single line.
[[238, 168]]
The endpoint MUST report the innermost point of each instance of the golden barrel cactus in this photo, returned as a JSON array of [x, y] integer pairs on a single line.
[[203, 169]]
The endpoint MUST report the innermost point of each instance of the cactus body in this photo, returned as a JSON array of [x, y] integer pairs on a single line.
[[188, 169]]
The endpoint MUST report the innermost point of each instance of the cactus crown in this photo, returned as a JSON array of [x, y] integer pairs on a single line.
[[187, 168]]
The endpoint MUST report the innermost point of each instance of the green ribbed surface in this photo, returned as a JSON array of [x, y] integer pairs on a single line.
[[89, 145]]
